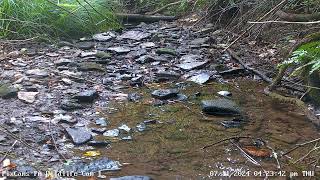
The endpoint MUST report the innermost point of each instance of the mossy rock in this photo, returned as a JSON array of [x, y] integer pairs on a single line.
[[8, 91], [166, 51]]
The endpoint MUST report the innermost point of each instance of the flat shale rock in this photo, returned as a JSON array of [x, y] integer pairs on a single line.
[[69, 105], [27, 97], [79, 135], [220, 107], [86, 96], [39, 73], [132, 178], [135, 35], [90, 66], [103, 36], [166, 51], [200, 78], [119, 49], [164, 94]]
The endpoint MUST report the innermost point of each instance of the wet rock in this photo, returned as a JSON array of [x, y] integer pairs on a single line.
[[112, 133], [119, 49], [69, 105], [199, 41], [220, 107], [63, 62], [166, 51], [166, 76], [147, 45], [79, 135], [103, 36], [87, 96], [150, 122], [127, 138], [145, 59], [99, 143], [200, 78], [103, 55], [38, 73], [103, 164], [135, 35], [65, 119], [90, 66], [99, 130], [102, 122], [137, 81], [225, 93], [234, 123], [165, 93], [132, 178], [8, 91], [134, 97], [27, 97], [141, 127], [85, 45], [192, 65], [124, 128]]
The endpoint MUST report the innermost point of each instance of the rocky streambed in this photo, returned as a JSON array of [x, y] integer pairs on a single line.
[[140, 104]]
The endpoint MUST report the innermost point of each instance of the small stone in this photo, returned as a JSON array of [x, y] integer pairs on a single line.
[[125, 128], [8, 91], [86, 96], [85, 45], [103, 55], [166, 51], [70, 105], [65, 119], [135, 35], [134, 97], [98, 130], [141, 127], [192, 65], [112, 133], [127, 138], [220, 107], [103, 36], [165, 93], [119, 49], [145, 59], [102, 122], [79, 135], [225, 93], [28, 97], [200, 78], [38, 73], [98, 143], [147, 45], [90, 66]]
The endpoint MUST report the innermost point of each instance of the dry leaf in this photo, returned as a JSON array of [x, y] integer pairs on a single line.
[[257, 152]]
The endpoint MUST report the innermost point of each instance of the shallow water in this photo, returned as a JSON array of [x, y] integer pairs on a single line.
[[172, 149]]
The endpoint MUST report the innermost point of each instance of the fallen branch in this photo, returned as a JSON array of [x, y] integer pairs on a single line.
[[301, 145], [144, 18], [298, 17], [284, 22], [226, 139], [163, 8], [6, 154]]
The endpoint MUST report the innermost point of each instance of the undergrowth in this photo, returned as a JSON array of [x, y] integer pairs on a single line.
[[55, 18]]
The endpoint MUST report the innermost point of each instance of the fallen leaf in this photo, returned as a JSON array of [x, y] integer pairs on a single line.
[[92, 153], [257, 152]]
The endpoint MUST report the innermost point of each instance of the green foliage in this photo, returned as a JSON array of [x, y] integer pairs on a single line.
[[63, 18], [306, 59]]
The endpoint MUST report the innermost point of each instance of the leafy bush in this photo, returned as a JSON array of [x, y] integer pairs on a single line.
[[306, 59], [60, 18]]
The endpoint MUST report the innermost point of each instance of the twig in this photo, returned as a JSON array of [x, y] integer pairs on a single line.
[[227, 139], [247, 156], [301, 145], [55, 144], [6, 154], [164, 8], [261, 18], [284, 22]]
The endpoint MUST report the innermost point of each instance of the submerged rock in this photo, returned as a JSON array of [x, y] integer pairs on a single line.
[[132, 178], [165, 93], [86, 96], [79, 135], [220, 107], [102, 122], [103, 164], [8, 91]]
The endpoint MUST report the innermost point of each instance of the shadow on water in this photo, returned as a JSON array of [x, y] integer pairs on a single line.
[[172, 148]]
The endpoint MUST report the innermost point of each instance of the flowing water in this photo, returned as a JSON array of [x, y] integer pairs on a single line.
[[173, 149]]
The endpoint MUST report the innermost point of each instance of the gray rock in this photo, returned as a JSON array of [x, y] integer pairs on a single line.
[[103, 36], [8, 91], [119, 49], [99, 143], [85, 45], [86, 96], [69, 105], [166, 51], [90, 66], [134, 97], [112, 133], [27, 97], [192, 65], [199, 41], [63, 62], [79, 135], [165, 93], [132, 178], [103, 164], [225, 93], [38, 73], [102, 122], [220, 107], [200, 78], [135, 35], [145, 59]]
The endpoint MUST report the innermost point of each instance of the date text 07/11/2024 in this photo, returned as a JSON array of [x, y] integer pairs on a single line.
[[225, 173]]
